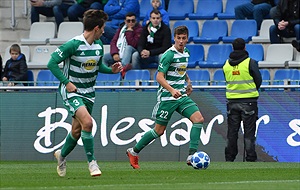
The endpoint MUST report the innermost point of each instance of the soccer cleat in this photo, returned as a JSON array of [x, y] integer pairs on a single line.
[[94, 168], [133, 158], [188, 160], [61, 164]]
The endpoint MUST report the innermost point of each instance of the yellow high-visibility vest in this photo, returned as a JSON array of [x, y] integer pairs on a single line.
[[239, 82]]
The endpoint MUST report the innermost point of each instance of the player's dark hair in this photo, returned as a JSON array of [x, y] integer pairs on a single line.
[[181, 30], [238, 44], [93, 18]]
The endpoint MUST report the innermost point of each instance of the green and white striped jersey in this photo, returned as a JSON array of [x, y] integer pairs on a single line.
[[81, 65], [174, 64]]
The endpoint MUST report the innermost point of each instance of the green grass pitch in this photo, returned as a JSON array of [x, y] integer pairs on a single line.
[[152, 175]]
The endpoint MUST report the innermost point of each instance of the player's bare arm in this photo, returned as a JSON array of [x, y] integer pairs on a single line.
[[162, 81], [189, 88]]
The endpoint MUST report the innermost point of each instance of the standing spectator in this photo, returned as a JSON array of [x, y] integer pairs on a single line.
[[256, 9], [50, 8], [76, 11], [15, 69], [154, 41], [172, 96], [117, 10], [286, 20], [82, 57], [157, 4], [124, 43], [243, 80]]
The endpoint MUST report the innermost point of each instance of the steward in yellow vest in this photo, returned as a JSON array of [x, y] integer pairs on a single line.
[[243, 80]]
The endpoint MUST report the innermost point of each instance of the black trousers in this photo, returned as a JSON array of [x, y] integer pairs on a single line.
[[248, 113]]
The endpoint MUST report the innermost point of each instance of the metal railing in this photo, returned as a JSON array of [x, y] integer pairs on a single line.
[[13, 22]]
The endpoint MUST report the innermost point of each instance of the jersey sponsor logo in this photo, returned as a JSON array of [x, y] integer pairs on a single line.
[[181, 70], [89, 65]]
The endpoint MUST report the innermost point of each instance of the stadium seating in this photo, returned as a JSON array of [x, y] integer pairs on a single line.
[[229, 9], [206, 9], [24, 49], [277, 55], [46, 78], [266, 77], [212, 31], [137, 78], [199, 77], [145, 6], [216, 56], [256, 51], [286, 77], [241, 29], [192, 25], [296, 60], [179, 9], [40, 33], [196, 54], [264, 34], [41, 56], [104, 79], [30, 78], [218, 78], [66, 31]]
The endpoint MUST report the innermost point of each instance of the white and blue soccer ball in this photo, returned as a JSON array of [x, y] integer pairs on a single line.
[[200, 160]]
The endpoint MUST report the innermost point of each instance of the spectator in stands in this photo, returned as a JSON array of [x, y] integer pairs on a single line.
[[124, 43], [117, 10], [286, 20], [50, 8], [154, 41], [256, 9], [76, 11], [157, 4], [15, 68]]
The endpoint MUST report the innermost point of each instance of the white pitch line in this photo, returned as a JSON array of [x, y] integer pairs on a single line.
[[261, 181]]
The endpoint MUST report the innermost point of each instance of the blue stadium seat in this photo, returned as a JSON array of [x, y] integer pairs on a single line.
[[229, 9], [142, 77], [212, 31], [241, 29], [145, 6], [266, 77], [218, 78], [179, 9], [46, 78], [192, 25], [196, 54], [30, 78], [199, 77], [206, 9], [289, 76], [216, 56], [256, 51], [104, 79]]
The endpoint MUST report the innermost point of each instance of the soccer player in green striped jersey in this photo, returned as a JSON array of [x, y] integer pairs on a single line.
[[82, 57], [172, 96]]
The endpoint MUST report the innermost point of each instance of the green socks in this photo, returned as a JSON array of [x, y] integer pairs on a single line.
[[195, 137], [145, 140], [69, 145], [88, 144]]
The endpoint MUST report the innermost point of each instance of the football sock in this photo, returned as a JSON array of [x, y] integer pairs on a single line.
[[88, 144], [145, 140], [69, 145], [195, 137]]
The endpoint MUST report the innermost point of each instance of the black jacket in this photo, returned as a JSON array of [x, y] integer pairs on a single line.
[[237, 57], [16, 70], [287, 10], [162, 40]]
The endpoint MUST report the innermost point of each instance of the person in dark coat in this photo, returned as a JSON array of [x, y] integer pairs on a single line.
[[15, 69]]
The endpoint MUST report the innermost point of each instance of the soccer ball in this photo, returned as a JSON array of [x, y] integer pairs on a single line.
[[200, 160]]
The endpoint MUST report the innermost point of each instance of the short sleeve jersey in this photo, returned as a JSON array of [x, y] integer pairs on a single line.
[[173, 64], [81, 65]]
